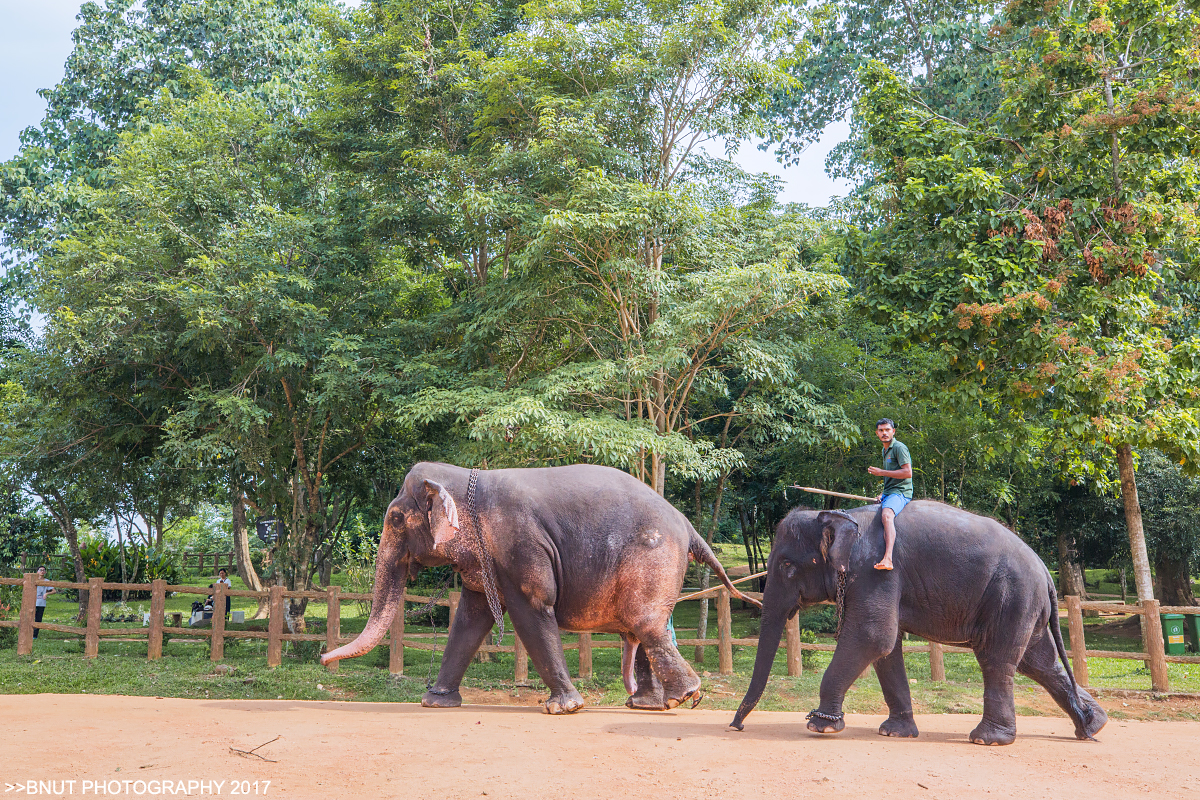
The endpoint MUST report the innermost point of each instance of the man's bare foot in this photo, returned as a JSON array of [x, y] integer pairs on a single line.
[[884, 564]]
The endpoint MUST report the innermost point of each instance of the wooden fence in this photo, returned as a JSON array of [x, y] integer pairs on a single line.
[[197, 561], [397, 639], [1156, 659]]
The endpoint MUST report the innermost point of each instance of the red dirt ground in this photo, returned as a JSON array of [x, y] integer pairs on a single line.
[[357, 750]]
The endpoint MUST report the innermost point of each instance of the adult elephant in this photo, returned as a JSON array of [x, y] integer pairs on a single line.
[[959, 579], [581, 548]]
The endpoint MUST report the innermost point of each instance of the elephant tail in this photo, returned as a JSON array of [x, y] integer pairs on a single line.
[[1056, 633], [699, 550]]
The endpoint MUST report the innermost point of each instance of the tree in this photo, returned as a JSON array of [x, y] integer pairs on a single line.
[[223, 268], [1039, 251], [125, 54], [547, 171]]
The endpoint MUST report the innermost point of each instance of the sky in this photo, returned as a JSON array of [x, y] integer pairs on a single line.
[[35, 40]]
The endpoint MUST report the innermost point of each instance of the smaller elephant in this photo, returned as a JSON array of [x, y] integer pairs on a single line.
[[960, 579], [580, 548]]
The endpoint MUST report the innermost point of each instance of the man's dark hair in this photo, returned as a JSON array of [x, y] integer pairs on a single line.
[[886, 421]]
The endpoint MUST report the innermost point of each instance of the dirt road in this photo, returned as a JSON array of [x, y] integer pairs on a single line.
[[357, 750]]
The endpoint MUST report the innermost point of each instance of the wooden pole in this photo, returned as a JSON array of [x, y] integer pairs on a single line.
[[333, 622], [937, 662], [837, 494], [585, 656], [521, 670], [1078, 646], [91, 640], [795, 661], [724, 633], [1160, 680], [216, 646], [158, 605], [275, 627], [396, 646], [28, 603]]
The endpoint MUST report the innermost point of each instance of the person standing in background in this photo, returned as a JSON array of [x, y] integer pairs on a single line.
[[40, 605]]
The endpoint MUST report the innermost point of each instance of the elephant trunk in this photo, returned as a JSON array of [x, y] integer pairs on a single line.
[[391, 575], [770, 631]]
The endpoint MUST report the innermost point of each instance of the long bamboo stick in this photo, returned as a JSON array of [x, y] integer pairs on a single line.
[[838, 494]]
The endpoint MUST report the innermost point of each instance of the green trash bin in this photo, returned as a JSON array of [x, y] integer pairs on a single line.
[[1191, 630], [1172, 625]]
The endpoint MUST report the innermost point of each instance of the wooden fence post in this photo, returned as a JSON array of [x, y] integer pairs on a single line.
[[724, 633], [937, 662], [795, 662], [585, 656], [216, 645], [396, 647], [275, 627], [158, 606], [333, 622], [1079, 663], [454, 598], [1160, 680], [521, 671], [28, 602], [91, 639]]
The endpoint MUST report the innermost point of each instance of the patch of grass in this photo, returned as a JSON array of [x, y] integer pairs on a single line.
[[186, 671]]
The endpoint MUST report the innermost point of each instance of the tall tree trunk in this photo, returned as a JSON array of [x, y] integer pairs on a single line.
[[121, 546], [1143, 580], [61, 512], [1070, 573], [1173, 582], [702, 628], [241, 549]]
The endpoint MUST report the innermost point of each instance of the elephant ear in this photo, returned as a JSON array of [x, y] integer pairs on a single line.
[[443, 513], [839, 532]]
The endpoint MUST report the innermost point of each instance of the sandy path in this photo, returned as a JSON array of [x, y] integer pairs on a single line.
[[355, 750]]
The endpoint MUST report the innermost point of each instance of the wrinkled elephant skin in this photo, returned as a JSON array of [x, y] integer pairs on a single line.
[[960, 579], [582, 548]]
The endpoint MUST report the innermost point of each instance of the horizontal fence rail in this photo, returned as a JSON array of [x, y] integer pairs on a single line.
[[398, 639], [197, 562]]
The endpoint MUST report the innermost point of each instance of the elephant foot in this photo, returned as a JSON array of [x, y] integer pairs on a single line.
[[1094, 718], [432, 699], [986, 733], [646, 702], [675, 699], [819, 722], [903, 727], [564, 702]]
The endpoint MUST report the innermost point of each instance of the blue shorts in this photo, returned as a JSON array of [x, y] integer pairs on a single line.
[[896, 502]]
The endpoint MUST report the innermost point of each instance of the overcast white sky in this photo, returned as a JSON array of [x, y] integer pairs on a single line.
[[35, 39]]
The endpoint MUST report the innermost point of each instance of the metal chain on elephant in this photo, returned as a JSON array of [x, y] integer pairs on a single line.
[[486, 564], [841, 602]]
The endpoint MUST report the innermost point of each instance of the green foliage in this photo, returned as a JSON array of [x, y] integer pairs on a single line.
[[356, 556], [102, 559]]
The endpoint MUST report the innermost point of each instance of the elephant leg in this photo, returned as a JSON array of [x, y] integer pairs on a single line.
[[679, 681], [1041, 663], [648, 694], [537, 626], [857, 649], [999, 724], [893, 679], [472, 622]]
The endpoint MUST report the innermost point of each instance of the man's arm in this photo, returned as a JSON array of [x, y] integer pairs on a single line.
[[905, 471]]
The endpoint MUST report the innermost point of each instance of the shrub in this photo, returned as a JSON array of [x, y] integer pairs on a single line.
[[102, 559], [821, 619], [10, 608]]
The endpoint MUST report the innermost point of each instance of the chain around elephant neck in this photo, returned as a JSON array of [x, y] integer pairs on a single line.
[[486, 565], [841, 602]]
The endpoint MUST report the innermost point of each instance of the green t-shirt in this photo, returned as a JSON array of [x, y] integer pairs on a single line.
[[895, 457]]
